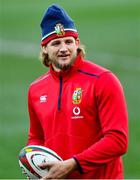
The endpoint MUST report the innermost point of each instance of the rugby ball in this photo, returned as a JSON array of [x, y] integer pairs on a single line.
[[30, 157]]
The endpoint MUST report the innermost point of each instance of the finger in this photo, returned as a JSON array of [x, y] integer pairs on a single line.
[[46, 165]]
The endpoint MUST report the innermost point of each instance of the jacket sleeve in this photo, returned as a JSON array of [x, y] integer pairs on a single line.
[[112, 113], [35, 135]]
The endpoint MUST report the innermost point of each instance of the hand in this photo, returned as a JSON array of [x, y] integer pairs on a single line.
[[59, 169]]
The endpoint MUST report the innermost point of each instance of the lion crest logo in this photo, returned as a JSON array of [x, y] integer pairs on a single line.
[[59, 29], [77, 96]]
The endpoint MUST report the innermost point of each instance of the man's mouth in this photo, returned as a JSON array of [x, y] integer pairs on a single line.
[[63, 55]]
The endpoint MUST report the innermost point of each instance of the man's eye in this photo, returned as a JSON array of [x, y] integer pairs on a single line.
[[55, 43], [68, 42]]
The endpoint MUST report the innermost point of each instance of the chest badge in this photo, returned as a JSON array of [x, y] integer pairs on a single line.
[[77, 96], [43, 98]]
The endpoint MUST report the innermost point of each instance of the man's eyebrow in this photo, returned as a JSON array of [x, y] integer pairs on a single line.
[[56, 41]]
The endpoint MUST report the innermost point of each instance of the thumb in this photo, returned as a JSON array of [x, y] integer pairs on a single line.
[[46, 165]]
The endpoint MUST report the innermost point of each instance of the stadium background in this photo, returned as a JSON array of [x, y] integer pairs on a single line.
[[110, 30]]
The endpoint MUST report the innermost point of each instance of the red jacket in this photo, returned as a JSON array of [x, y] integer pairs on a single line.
[[81, 113]]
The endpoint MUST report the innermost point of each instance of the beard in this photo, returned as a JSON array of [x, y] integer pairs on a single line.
[[63, 66]]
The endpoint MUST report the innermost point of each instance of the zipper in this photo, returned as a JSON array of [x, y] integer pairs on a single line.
[[60, 94]]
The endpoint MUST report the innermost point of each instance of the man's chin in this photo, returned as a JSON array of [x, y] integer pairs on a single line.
[[64, 66]]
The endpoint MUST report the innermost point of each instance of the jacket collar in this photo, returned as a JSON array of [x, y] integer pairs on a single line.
[[68, 73]]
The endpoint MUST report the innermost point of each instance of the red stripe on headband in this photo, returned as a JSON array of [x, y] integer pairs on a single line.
[[55, 36]]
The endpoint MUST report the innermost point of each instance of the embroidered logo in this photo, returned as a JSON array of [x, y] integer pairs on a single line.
[[59, 29], [76, 111], [77, 96], [43, 98]]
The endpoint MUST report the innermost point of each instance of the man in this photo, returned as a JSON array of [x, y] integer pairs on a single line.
[[77, 108]]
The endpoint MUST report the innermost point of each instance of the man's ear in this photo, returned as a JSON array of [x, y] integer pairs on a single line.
[[44, 49], [77, 41]]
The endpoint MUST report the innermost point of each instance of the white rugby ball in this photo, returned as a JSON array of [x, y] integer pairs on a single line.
[[30, 157]]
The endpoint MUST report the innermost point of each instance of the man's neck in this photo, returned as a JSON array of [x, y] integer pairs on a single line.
[[55, 68]]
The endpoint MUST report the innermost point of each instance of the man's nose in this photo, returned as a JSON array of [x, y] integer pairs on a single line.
[[63, 48]]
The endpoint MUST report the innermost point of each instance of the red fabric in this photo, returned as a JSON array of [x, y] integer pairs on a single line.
[[54, 36], [98, 135]]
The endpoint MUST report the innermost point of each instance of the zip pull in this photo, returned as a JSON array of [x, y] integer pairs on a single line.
[[60, 94]]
